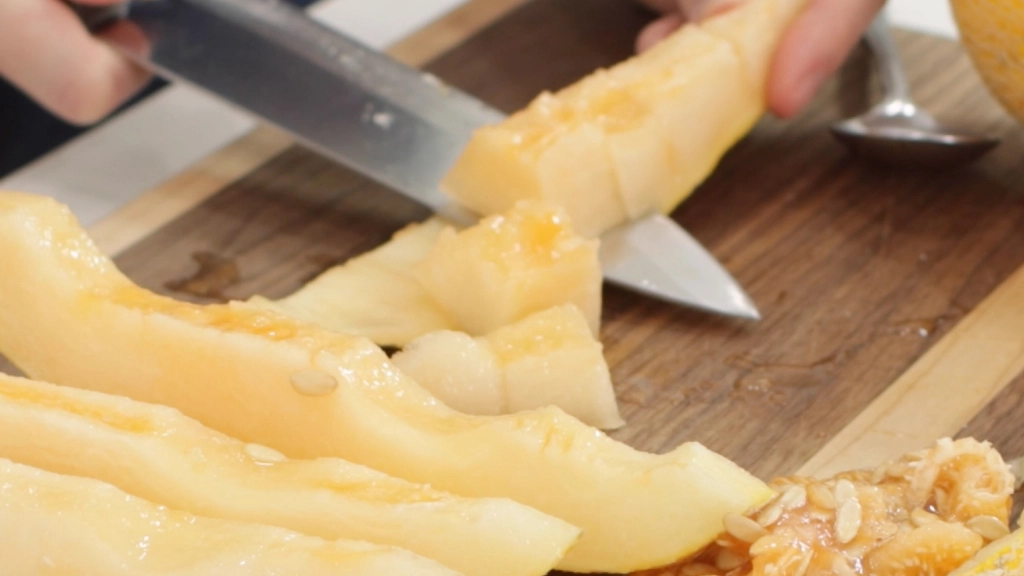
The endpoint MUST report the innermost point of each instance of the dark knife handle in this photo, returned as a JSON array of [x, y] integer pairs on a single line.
[[97, 17]]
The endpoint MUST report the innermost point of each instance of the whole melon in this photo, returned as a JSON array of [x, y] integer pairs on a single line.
[[993, 33]]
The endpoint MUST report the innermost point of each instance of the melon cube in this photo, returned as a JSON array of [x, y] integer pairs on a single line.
[[701, 105], [551, 359], [462, 371], [529, 157], [547, 359], [513, 265]]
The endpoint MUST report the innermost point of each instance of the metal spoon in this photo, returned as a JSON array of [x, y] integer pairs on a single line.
[[896, 131]]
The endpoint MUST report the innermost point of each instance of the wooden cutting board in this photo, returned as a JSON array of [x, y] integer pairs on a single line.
[[892, 311]]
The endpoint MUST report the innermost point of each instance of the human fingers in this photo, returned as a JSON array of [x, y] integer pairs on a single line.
[[677, 13], [813, 48], [46, 52], [656, 31]]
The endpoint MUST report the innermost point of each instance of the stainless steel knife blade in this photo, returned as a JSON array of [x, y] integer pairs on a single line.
[[392, 123]]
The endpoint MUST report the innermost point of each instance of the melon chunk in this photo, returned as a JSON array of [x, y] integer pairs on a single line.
[[548, 359], [461, 371], [657, 123], [156, 453], [68, 316], [700, 102], [430, 277], [375, 295], [526, 159], [755, 28], [55, 524], [512, 265]]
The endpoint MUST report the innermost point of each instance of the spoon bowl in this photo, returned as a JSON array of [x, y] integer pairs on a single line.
[[897, 132]]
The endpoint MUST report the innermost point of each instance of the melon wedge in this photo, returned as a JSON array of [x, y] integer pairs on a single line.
[[548, 359], [512, 265], [51, 524], [68, 316], [646, 131], [375, 295], [156, 453]]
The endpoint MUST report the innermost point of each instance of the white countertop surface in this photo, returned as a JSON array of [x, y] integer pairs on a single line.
[[109, 166]]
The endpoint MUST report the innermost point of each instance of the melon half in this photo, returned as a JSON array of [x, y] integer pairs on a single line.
[[993, 33], [56, 525], [636, 138], [68, 316], [156, 453]]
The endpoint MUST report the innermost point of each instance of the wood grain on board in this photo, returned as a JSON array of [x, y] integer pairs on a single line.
[[858, 270]]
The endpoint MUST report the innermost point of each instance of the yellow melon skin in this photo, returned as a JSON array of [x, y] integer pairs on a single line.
[[1004, 557], [636, 138], [56, 525], [156, 453], [547, 359], [375, 295], [68, 316], [993, 33]]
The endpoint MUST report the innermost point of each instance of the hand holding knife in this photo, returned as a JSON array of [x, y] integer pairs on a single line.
[[272, 60]]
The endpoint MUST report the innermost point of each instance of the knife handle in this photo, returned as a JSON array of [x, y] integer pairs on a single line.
[[97, 17]]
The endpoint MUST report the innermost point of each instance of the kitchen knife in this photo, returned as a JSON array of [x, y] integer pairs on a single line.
[[394, 124]]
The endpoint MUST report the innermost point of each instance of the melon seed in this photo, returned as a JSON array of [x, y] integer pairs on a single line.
[[988, 527], [848, 520], [264, 454], [313, 382], [742, 528]]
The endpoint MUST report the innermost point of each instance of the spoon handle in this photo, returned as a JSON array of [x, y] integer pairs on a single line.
[[887, 56]]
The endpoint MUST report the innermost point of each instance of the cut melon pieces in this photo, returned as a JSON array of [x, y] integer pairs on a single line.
[[701, 104], [68, 316], [52, 524], [547, 359], [512, 265], [156, 453], [430, 277], [527, 157], [461, 371], [755, 28], [649, 129], [375, 295]]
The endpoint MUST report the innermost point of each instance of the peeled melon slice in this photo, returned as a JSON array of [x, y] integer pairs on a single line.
[[156, 453], [375, 295], [658, 123], [512, 265], [548, 359], [64, 525], [68, 316]]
